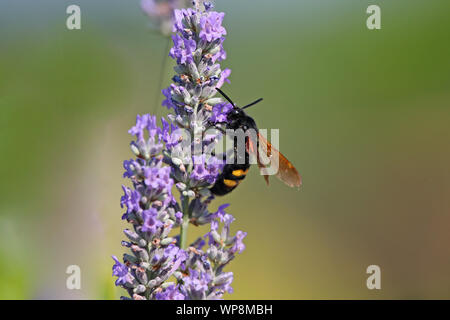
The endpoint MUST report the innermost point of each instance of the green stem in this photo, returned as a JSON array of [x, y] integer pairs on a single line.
[[185, 224]]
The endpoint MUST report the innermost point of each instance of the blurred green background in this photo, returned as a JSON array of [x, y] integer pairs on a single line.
[[364, 115]]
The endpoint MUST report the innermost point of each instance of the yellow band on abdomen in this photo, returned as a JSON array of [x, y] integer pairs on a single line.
[[230, 183], [239, 172]]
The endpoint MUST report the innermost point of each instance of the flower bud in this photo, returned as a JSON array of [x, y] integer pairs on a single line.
[[139, 289], [135, 149], [133, 236], [167, 241], [177, 161], [213, 101], [181, 186]]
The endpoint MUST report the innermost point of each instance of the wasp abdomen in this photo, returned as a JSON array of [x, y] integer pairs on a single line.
[[230, 178]]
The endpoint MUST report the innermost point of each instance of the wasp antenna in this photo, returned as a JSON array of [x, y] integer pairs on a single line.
[[253, 103], [226, 97]]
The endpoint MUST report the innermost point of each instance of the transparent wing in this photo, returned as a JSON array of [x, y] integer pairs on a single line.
[[286, 171]]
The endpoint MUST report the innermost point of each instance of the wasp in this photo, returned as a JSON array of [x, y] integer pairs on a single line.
[[234, 173]]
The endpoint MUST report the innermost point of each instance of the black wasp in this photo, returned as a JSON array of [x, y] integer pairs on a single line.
[[234, 173]]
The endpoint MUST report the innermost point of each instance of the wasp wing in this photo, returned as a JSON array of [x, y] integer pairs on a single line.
[[286, 171]]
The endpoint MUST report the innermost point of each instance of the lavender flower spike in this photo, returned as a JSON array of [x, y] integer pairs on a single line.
[[163, 159]]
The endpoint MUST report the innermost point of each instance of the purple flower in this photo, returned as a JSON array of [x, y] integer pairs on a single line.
[[208, 5], [220, 111], [223, 78], [168, 101], [131, 167], [219, 240], [227, 219], [178, 217], [214, 227], [199, 172], [151, 146], [169, 134], [206, 170], [157, 179], [151, 222], [200, 214], [214, 165], [223, 283], [182, 19], [239, 245], [220, 55], [170, 253], [179, 260], [211, 26], [130, 199], [144, 122], [172, 292], [196, 285], [222, 216], [221, 210], [121, 272], [183, 49]]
